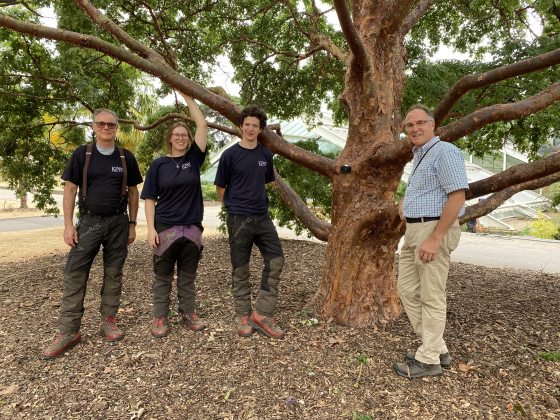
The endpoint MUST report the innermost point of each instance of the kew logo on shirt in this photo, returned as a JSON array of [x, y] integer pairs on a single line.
[[116, 169], [262, 162], [186, 165]]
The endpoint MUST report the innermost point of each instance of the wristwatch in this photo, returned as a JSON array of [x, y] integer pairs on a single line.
[[132, 222]]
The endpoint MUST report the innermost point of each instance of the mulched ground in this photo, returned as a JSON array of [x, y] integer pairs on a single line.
[[498, 322]]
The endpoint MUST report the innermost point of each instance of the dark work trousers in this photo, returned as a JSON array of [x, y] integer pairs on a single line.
[[244, 231], [93, 232], [187, 255]]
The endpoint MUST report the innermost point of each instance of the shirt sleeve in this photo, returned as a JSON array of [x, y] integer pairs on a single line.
[[269, 176], [223, 171], [74, 167], [134, 177], [198, 154], [451, 171], [149, 191]]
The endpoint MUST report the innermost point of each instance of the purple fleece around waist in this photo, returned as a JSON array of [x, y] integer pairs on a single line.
[[168, 236]]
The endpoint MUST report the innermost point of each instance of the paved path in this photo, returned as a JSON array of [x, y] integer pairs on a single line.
[[484, 250]]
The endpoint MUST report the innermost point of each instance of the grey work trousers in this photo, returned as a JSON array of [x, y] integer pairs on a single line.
[[93, 232]]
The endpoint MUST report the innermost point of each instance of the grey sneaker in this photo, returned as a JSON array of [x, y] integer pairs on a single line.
[[194, 322], [160, 327], [415, 369], [110, 330], [60, 344], [445, 359]]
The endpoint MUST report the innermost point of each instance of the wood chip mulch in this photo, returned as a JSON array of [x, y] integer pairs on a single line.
[[499, 321]]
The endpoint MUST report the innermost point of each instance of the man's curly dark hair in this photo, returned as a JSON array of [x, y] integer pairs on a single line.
[[253, 111]]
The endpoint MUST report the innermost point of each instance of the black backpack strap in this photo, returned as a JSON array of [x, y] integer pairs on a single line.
[[89, 148], [124, 188]]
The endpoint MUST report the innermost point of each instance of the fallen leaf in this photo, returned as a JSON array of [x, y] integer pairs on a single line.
[[9, 390], [335, 340], [465, 367]]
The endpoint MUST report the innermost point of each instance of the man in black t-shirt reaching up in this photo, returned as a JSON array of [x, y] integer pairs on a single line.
[[107, 177], [243, 172]]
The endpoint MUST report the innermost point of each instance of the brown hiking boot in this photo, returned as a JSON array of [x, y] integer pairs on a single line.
[[444, 359], [194, 322], [160, 327], [243, 327], [266, 325], [60, 344], [110, 330]]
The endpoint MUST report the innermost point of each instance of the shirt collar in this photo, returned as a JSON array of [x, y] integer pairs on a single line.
[[422, 149]]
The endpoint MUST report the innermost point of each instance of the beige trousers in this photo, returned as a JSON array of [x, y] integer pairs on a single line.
[[421, 287]]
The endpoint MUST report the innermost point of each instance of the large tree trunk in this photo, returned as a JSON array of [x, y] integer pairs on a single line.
[[358, 286]]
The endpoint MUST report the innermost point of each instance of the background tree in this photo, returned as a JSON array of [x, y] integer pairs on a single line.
[[291, 57]]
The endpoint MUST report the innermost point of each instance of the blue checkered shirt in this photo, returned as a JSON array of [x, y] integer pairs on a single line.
[[441, 171]]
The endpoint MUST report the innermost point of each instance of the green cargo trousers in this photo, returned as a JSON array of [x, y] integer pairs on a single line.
[[244, 231], [111, 232], [186, 255]]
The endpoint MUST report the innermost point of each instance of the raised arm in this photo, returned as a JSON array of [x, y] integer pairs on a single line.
[[201, 133]]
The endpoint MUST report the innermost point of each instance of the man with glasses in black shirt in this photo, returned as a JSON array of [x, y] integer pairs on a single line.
[[107, 177]]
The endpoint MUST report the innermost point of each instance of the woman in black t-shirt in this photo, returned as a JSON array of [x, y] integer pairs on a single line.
[[174, 211]]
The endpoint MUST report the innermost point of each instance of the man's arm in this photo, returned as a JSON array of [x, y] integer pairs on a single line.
[[220, 192], [430, 247], [68, 203], [133, 200], [401, 209]]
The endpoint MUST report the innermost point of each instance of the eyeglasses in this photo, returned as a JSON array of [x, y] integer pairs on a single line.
[[103, 124], [420, 123], [180, 136]]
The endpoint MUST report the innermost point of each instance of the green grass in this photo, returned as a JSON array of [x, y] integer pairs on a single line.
[[551, 356]]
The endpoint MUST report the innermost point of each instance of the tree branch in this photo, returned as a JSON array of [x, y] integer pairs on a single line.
[[415, 15], [329, 46], [298, 56], [500, 112], [491, 203], [351, 35], [177, 116], [316, 37], [162, 71], [118, 33], [319, 228], [166, 74], [474, 81], [523, 172], [313, 161]]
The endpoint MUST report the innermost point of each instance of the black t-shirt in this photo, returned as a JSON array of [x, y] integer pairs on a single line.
[[244, 173], [104, 178], [177, 191]]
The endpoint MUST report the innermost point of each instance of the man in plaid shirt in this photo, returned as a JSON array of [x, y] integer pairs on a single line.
[[434, 199]]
